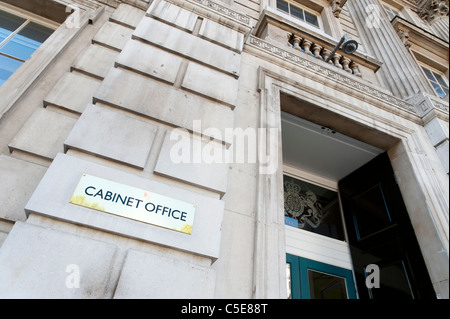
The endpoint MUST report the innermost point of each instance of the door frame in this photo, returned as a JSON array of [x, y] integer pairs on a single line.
[[333, 251], [300, 280], [425, 192]]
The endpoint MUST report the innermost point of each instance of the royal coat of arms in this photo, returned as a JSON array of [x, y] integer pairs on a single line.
[[301, 205]]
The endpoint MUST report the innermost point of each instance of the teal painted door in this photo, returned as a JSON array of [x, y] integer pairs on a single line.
[[309, 279]]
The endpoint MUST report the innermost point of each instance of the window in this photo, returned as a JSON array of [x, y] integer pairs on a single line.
[[20, 36], [438, 82], [391, 12], [312, 208], [297, 12]]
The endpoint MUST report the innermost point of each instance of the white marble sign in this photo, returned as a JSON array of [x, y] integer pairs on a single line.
[[134, 203]]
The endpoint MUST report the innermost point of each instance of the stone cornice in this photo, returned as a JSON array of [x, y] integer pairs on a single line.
[[336, 76], [428, 107], [141, 4], [217, 12], [441, 106], [222, 9], [424, 35]]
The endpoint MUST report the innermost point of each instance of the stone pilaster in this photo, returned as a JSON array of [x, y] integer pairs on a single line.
[[440, 27], [399, 72], [434, 114]]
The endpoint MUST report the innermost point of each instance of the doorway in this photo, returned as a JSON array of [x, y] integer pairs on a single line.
[[375, 222], [380, 233]]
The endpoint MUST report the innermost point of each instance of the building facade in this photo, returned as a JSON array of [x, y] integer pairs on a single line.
[[224, 149]]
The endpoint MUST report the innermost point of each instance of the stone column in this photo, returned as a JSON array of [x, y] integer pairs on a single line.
[[400, 73], [440, 27]]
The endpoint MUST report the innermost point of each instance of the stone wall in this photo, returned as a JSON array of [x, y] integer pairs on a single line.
[[103, 98]]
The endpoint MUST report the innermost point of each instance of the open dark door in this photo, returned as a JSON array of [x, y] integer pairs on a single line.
[[380, 232]]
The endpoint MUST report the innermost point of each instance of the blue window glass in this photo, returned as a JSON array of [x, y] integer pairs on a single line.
[[297, 12], [26, 41], [7, 67], [8, 24], [437, 81], [283, 5], [441, 81], [439, 90], [311, 18], [428, 73], [19, 38]]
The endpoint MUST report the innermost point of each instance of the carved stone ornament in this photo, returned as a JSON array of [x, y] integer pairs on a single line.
[[335, 7], [431, 10], [304, 208], [404, 36]]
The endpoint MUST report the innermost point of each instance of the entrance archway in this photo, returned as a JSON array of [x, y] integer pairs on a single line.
[[365, 121], [320, 163]]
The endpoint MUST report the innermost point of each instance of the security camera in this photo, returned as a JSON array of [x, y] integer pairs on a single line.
[[349, 45]]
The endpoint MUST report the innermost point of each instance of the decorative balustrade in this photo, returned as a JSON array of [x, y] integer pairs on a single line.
[[318, 51]]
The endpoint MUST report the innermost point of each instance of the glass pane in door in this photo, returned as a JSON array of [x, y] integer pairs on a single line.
[[326, 286], [310, 279]]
